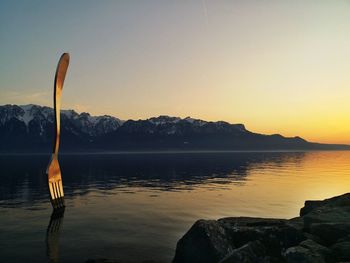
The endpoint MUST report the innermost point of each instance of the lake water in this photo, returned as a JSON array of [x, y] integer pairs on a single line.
[[134, 207]]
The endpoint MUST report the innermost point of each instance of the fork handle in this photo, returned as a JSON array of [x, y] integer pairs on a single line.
[[57, 107], [58, 86]]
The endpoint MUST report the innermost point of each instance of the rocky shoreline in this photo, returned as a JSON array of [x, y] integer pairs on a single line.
[[320, 234]]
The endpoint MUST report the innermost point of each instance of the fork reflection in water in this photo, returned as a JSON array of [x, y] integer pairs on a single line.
[[52, 235]]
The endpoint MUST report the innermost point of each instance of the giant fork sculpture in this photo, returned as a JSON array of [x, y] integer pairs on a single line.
[[53, 170]]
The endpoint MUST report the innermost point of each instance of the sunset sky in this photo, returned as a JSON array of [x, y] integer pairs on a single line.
[[276, 66]]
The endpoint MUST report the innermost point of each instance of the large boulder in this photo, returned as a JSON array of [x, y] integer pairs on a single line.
[[205, 242], [329, 220], [337, 201], [330, 233], [308, 251], [341, 251]]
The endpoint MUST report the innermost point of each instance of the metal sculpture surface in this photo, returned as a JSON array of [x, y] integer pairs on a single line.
[[53, 170]]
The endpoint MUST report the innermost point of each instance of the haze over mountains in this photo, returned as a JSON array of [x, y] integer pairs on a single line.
[[29, 128]]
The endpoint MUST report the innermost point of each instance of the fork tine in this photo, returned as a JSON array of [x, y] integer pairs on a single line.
[[57, 192], [52, 195], [60, 195], [59, 189], [58, 200], [60, 184]]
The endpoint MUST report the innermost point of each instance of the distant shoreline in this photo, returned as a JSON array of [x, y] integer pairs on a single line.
[[173, 152], [29, 129]]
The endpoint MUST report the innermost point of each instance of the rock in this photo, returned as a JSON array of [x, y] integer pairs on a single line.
[[330, 233], [341, 251], [313, 238], [337, 201], [205, 242], [320, 234], [310, 206], [245, 229], [327, 214], [299, 254], [253, 251], [104, 260], [212, 241], [308, 251], [317, 249], [344, 239], [328, 220]]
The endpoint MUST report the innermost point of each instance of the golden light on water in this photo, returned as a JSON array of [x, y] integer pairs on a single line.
[[277, 187]]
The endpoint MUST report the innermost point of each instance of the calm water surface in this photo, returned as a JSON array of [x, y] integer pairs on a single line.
[[134, 207]]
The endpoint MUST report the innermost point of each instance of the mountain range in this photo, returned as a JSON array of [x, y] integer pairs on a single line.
[[29, 128]]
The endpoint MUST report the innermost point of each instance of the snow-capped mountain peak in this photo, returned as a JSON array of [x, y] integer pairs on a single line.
[[195, 121], [41, 116], [164, 119]]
